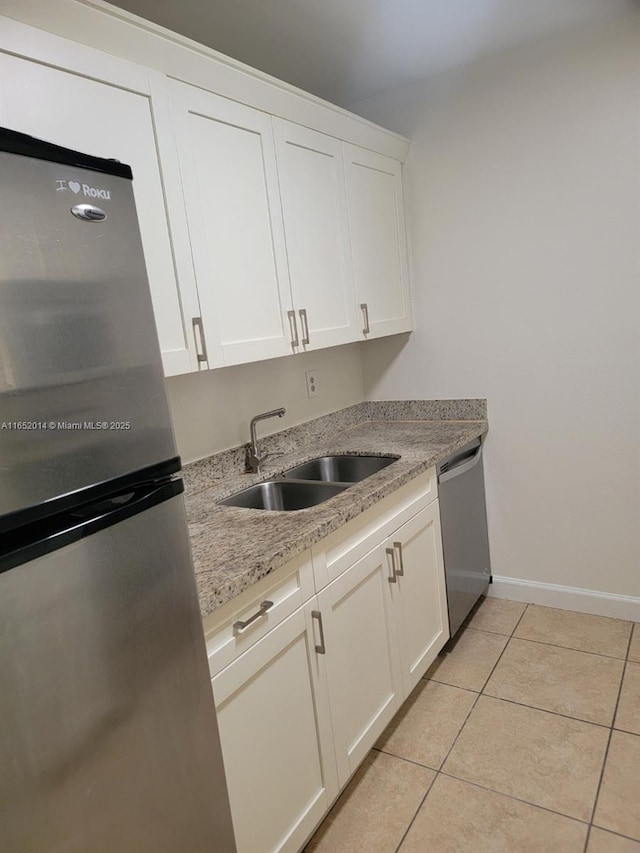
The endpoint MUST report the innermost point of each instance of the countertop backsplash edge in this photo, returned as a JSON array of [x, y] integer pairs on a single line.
[[207, 472]]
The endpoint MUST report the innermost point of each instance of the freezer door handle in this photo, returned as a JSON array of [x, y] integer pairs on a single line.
[[57, 531], [462, 468]]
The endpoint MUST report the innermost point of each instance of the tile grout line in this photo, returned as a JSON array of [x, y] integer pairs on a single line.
[[589, 822], [543, 643], [606, 752], [449, 775], [437, 772], [403, 758], [420, 804], [568, 648], [513, 797], [442, 763], [535, 707], [506, 646], [614, 833], [547, 711]]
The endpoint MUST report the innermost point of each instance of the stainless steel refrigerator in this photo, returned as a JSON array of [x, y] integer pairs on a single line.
[[108, 736]]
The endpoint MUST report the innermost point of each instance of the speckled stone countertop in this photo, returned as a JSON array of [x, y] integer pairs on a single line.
[[234, 547]]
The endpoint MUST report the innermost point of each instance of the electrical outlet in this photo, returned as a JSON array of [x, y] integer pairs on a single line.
[[312, 383]]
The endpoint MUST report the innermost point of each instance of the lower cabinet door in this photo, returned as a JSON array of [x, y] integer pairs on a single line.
[[275, 731], [364, 687], [421, 606]]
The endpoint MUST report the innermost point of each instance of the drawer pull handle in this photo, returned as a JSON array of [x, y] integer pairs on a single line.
[[238, 627], [365, 310], [305, 326], [400, 571], [392, 577], [320, 648], [295, 340]]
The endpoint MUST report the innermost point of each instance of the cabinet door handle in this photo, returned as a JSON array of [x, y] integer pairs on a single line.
[[295, 341], [238, 627], [400, 571], [201, 343], [392, 577], [365, 310], [305, 325], [320, 648]]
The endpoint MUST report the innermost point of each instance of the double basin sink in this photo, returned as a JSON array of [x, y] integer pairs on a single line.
[[309, 484]]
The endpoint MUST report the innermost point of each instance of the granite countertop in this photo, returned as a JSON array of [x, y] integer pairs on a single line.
[[234, 547]]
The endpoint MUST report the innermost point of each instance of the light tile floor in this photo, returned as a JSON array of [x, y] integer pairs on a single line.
[[523, 738]]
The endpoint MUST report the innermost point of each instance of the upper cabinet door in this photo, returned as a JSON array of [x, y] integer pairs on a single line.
[[311, 173], [89, 101], [230, 180], [378, 242]]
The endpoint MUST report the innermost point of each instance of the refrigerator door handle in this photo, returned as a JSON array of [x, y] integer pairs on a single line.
[[57, 531]]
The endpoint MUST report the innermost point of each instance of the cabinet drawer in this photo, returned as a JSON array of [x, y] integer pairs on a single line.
[[345, 546], [287, 588]]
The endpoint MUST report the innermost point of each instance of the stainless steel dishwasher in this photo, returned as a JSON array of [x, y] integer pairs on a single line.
[[465, 540]]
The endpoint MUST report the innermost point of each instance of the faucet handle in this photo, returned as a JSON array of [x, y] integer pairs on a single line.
[[254, 461]]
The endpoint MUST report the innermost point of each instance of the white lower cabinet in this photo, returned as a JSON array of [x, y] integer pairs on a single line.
[[419, 595], [364, 683], [385, 622], [276, 737], [300, 708]]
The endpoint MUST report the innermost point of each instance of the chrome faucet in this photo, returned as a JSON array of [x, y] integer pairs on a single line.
[[254, 460]]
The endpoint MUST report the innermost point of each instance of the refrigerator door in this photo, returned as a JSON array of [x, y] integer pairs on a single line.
[[108, 734], [82, 396]]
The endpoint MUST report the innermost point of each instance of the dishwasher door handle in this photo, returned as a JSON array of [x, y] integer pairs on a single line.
[[463, 467]]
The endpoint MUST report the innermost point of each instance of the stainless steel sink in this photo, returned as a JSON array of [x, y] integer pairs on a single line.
[[284, 495], [340, 469]]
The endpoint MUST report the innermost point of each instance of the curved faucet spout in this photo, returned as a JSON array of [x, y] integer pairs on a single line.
[[254, 460]]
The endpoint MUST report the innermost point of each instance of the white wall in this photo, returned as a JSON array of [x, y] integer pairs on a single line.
[[211, 410], [524, 211]]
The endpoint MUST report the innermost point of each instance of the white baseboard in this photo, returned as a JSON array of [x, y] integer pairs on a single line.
[[567, 597]]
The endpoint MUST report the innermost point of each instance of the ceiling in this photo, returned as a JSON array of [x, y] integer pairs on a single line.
[[350, 50]]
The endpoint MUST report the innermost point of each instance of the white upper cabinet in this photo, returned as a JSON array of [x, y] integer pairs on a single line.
[[378, 242], [311, 174], [267, 230], [99, 105], [230, 182]]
